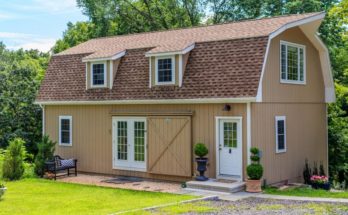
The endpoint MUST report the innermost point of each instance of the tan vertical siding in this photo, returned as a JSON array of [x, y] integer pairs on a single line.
[[305, 138], [274, 91], [92, 133]]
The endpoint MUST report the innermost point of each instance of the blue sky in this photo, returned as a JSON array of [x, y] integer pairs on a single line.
[[36, 23]]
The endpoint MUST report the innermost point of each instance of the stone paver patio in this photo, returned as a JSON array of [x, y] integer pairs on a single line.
[[148, 185]]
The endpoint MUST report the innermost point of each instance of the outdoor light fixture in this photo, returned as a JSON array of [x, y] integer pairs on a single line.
[[227, 107]]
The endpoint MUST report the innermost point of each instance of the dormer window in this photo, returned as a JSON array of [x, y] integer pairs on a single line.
[[98, 75], [165, 70]]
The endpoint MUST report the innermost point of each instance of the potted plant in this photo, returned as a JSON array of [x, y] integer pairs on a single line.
[[2, 189], [201, 151], [320, 182], [254, 172]]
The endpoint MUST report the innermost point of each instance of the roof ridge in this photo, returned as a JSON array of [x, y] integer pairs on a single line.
[[203, 26]]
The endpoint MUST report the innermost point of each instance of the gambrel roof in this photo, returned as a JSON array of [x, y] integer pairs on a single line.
[[226, 62]]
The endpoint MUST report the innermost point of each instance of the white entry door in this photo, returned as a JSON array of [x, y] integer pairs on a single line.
[[229, 143], [129, 143]]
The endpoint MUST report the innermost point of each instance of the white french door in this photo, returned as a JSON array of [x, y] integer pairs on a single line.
[[129, 143]]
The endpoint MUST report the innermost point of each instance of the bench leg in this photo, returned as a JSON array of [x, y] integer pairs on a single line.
[[68, 172], [55, 175], [75, 170]]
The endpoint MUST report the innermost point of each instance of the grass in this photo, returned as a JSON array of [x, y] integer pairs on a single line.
[[306, 192], [39, 196]]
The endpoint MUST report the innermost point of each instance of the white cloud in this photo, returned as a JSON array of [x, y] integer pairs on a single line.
[[26, 41], [44, 44], [11, 35]]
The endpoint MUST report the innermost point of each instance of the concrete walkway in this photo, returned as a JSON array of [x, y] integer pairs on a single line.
[[243, 195]]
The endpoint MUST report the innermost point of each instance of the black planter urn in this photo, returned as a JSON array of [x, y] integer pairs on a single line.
[[201, 168]]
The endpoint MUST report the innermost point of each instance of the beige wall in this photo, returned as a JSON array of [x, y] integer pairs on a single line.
[[92, 132], [274, 91], [305, 111], [306, 137]]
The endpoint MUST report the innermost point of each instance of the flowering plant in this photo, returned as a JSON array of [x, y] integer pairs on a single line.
[[319, 179]]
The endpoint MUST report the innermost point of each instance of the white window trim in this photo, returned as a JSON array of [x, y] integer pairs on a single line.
[[285, 81], [278, 118], [60, 131], [173, 70], [91, 75]]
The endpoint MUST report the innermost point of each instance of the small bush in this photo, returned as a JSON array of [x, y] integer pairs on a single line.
[[13, 165], [255, 171], [45, 153], [254, 151], [2, 192], [200, 150]]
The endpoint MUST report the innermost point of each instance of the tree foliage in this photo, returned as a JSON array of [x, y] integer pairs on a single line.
[[45, 153], [20, 75], [13, 166]]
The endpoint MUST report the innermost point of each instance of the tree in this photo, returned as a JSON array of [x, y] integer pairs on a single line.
[[74, 35], [20, 75], [13, 166]]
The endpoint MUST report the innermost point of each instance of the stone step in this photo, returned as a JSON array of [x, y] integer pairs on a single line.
[[214, 185]]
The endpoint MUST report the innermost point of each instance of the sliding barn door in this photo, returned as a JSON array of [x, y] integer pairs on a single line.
[[169, 145]]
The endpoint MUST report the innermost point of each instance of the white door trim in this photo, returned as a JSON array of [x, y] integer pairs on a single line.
[[217, 151], [114, 144]]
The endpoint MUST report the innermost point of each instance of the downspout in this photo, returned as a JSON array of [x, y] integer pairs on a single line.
[[248, 131], [43, 118]]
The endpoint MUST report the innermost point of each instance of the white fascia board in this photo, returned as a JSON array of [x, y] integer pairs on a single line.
[[162, 101], [114, 57], [276, 33], [181, 52]]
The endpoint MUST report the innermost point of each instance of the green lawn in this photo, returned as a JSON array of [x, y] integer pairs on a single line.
[[39, 196], [308, 192]]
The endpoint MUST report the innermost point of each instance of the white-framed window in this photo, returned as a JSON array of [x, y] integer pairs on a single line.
[[292, 63], [280, 128], [165, 70], [98, 74], [65, 130]]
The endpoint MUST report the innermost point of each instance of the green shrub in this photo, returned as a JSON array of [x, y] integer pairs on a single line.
[[13, 165], [200, 150], [45, 153], [255, 171]]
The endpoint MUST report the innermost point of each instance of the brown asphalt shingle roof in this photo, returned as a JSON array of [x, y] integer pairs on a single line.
[[176, 40], [225, 63]]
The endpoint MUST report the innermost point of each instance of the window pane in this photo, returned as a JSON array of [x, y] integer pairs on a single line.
[[292, 62], [65, 123], [122, 140], [283, 61], [139, 141], [65, 137], [65, 131], [301, 65], [280, 126], [164, 70], [98, 74], [230, 134], [281, 141]]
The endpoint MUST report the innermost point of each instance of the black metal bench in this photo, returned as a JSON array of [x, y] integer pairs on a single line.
[[60, 164]]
